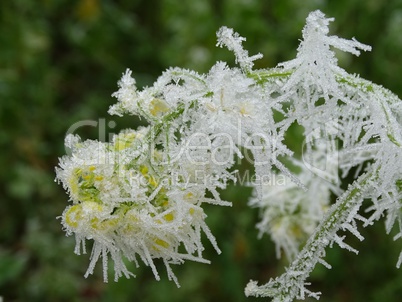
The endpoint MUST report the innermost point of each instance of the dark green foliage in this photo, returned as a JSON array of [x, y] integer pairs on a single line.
[[59, 63]]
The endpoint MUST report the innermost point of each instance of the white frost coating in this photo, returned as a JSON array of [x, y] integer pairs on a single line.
[[233, 41], [316, 64], [141, 195], [290, 214], [331, 104], [125, 94]]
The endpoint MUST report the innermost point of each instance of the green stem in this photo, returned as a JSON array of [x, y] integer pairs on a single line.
[[262, 76], [288, 286]]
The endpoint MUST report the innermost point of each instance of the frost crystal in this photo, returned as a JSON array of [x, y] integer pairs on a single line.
[[233, 41], [315, 64]]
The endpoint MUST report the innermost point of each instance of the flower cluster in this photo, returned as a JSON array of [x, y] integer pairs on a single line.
[[289, 214], [142, 193], [128, 204]]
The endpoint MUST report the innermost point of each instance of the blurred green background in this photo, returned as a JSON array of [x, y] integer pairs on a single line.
[[59, 64]]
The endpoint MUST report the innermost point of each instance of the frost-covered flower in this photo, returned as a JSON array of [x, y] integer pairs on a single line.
[[142, 193], [129, 207], [289, 213]]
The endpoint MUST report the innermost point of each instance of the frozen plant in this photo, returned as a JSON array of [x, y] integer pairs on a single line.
[[140, 196], [334, 106]]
